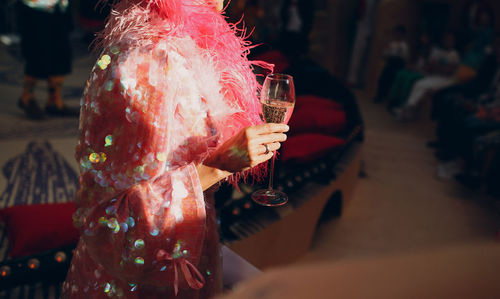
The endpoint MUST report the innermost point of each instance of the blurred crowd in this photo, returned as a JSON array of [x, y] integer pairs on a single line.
[[454, 80]]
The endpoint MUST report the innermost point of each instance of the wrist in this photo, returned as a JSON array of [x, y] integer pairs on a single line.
[[210, 175]]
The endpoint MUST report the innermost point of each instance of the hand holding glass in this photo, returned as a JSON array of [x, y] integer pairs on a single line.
[[278, 99]]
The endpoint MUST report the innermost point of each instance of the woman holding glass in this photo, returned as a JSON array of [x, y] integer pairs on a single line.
[[169, 110]]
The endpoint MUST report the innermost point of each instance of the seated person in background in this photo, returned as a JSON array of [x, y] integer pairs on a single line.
[[480, 168], [467, 118], [478, 145], [442, 99], [479, 45], [482, 87], [396, 55], [443, 63], [466, 127], [405, 78]]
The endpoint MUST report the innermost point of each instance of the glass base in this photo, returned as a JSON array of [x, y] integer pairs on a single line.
[[269, 198]]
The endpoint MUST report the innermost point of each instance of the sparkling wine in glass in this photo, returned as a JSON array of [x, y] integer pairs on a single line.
[[278, 99]]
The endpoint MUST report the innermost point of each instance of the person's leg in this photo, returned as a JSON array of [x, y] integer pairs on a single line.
[[472, 146], [60, 66], [381, 83], [55, 92], [478, 166], [419, 89], [445, 103], [27, 100], [423, 86], [28, 89], [441, 100], [410, 79], [55, 105], [396, 88], [452, 130], [468, 130], [386, 79], [31, 50]]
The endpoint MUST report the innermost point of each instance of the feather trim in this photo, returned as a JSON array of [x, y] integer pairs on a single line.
[[140, 23]]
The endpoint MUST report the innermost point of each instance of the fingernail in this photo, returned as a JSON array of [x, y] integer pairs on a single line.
[[287, 127]]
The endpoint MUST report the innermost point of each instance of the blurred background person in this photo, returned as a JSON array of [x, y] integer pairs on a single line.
[[44, 27], [396, 54], [477, 45], [468, 121], [405, 78], [443, 63]]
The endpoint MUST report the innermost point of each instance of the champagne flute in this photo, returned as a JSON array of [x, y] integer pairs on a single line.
[[278, 99]]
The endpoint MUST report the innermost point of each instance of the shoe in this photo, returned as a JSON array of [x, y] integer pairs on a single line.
[[400, 114], [32, 110], [65, 111], [448, 170]]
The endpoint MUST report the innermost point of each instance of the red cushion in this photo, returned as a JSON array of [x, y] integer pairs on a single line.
[[311, 120], [307, 147], [35, 228], [306, 101], [275, 57]]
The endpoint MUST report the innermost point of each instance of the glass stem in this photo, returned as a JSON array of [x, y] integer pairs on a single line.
[[271, 174]]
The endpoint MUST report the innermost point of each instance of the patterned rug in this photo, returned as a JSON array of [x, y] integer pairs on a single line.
[[38, 174]]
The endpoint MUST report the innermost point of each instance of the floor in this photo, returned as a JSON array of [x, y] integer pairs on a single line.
[[401, 206]]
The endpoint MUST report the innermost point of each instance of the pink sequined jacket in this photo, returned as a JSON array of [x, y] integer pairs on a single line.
[[171, 84]]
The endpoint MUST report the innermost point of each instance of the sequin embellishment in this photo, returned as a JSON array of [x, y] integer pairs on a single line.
[[139, 244], [109, 85], [94, 158], [104, 61], [108, 141], [139, 261]]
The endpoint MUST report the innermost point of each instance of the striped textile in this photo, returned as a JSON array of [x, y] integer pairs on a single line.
[[38, 175], [37, 291]]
